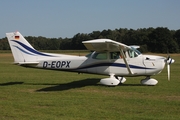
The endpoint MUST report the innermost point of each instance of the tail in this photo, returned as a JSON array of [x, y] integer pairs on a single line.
[[22, 51]]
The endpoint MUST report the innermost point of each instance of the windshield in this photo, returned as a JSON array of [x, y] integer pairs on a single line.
[[133, 52], [137, 51], [89, 54]]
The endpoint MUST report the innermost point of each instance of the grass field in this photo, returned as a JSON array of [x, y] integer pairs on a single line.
[[49, 95]]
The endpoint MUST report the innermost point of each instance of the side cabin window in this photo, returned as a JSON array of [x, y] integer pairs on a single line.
[[100, 55], [115, 55]]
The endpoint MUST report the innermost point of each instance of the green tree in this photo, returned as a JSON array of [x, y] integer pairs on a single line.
[[150, 39], [66, 44], [177, 37], [161, 40], [95, 34], [4, 45], [77, 41]]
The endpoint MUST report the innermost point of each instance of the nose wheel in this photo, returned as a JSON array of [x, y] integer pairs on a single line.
[[149, 81]]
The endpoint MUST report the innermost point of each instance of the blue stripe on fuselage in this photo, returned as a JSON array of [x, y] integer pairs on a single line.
[[112, 64]]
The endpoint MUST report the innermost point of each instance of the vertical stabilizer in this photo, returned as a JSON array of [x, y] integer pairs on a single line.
[[21, 49]]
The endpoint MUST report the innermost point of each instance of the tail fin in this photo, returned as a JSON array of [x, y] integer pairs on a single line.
[[22, 51]]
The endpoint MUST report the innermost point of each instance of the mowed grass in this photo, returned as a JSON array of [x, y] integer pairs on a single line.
[[27, 93]]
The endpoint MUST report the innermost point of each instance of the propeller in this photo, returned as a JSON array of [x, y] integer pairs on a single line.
[[169, 61]]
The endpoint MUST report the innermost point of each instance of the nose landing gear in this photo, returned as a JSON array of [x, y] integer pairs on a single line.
[[149, 81]]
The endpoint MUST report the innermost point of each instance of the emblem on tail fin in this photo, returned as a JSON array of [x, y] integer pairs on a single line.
[[16, 37]]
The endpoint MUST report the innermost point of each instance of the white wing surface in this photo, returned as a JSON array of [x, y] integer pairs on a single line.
[[108, 45], [104, 45]]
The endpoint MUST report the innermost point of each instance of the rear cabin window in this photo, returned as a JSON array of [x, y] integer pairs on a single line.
[[100, 56], [115, 55]]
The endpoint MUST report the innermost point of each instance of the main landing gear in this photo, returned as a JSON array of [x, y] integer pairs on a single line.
[[112, 80], [149, 81], [115, 80]]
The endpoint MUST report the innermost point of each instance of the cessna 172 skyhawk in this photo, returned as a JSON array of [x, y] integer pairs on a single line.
[[110, 58]]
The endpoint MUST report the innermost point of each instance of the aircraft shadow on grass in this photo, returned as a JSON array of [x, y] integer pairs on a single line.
[[65, 86], [71, 85], [77, 84], [11, 83]]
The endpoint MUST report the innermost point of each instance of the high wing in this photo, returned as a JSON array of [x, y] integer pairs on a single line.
[[104, 45], [108, 45]]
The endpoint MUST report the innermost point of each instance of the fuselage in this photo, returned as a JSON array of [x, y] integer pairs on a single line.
[[105, 63]]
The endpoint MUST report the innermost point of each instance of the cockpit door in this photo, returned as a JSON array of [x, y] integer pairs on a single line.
[[98, 63], [136, 61]]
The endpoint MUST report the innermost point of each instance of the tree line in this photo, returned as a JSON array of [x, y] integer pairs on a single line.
[[159, 40]]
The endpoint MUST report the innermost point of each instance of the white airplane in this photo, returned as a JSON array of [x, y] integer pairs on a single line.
[[110, 58]]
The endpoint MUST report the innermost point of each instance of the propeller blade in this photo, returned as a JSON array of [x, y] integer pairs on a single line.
[[168, 70], [169, 61]]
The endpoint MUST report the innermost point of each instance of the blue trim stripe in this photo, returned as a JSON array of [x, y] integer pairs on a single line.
[[23, 50], [131, 66], [114, 65], [29, 49]]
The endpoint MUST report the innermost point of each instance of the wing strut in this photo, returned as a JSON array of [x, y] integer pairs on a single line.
[[125, 61]]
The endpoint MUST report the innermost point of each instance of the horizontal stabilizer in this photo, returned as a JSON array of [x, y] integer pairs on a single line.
[[27, 63]]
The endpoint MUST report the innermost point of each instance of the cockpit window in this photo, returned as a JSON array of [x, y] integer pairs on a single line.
[[133, 52], [137, 51], [88, 55], [100, 56]]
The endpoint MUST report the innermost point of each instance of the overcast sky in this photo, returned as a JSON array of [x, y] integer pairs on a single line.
[[65, 18]]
